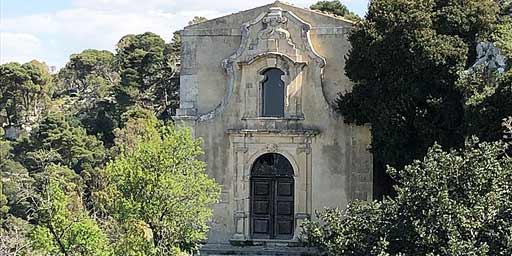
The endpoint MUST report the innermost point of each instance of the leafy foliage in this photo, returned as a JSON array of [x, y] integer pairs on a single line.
[[406, 59], [452, 203], [16, 186], [485, 118], [88, 75], [58, 196], [503, 33], [15, 237], [57, 132], [488, 93], [138, 125], [24, 93], [85, 90], [64, 227], [60, 141], [161, 188], [335, 7], [148, 75]]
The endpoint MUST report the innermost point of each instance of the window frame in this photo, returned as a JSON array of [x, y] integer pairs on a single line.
[[264, 99]]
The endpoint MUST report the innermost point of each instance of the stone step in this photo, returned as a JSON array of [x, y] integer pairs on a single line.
[[219, 250]]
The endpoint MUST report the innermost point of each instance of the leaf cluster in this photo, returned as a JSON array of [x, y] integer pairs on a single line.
[[408, 63], [454, 202]]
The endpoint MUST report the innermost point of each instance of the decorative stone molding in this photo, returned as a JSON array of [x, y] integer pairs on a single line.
[[223, 105], [257, 143], [274, 22], [339, 31], [305, 149], [241, 149], [272, 148], [275, 34]]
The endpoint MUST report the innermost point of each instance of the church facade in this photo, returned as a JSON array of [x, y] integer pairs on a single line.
[[258, 87]]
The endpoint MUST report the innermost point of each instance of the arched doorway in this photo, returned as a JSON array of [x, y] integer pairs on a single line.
[[272, 198]]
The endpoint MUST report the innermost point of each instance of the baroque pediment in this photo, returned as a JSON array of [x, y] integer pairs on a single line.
[[276, 38], [277, 32]]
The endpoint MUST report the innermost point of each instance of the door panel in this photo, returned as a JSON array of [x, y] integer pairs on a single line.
[[261, 227], [272, 198], [284, 229], [284, 217], [285, 188], [284, 208], [262, 207], [262, 188], [262, 194]]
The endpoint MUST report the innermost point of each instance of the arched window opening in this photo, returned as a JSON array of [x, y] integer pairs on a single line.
[[273, 91]]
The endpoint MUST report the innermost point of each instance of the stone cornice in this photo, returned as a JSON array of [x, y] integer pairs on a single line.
[[274, 132], [237, 33]]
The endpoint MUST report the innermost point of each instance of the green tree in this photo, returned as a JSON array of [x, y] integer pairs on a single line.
[[489, 92], [138, 125], [148, 73], [406, 59], [85, 90], [15, 237], [16, 191], [64, 227], [16, 185], [485, 117], [503, 33], [197, 20], [88, 75], [335, 7], [160, 194], [24, 94], [58, 140], [176, 46], [4, 207], [455, 202]]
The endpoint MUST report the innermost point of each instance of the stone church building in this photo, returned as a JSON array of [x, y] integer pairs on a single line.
[[258, 87]]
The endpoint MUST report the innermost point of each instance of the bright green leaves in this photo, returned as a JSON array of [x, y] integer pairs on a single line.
[[161, 188], [451, 203], [58, 197], [64, 227]]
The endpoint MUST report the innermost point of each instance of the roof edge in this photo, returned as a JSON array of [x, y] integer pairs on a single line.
[[248, 10], [317, 12], [276, 4]]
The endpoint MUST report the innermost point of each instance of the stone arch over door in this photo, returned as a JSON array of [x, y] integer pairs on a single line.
[[272, 200], [249, 145]]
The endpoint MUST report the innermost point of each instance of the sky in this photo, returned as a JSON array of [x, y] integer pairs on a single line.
[[52, 30]]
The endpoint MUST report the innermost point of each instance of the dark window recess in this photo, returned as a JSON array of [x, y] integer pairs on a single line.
[[273, 91]]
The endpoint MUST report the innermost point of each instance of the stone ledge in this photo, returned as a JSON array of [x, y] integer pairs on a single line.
[[235, 32], [263, 118], [272, 132], [225, 249]]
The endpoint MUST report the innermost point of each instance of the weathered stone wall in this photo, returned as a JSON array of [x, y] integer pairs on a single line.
[[219, 101]]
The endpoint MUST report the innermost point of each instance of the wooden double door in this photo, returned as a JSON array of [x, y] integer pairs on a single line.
[[272, 198]]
